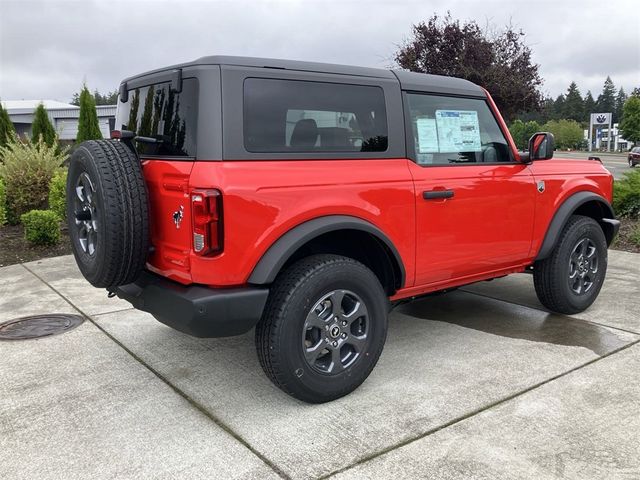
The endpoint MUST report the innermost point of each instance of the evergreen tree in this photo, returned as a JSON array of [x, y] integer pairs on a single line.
[[606, 102], [42, 126], [573, 104], [589, 106], [558, 108], [620, 99], [7, 130], [88, 127]]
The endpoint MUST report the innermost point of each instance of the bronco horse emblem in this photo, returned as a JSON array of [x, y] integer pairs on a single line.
[[177, 216]]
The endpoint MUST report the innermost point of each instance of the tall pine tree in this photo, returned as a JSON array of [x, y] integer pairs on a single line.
[[558, 108], [589, 106], [573, 104], [620, 99], [606, 102], [88, 127], [42, 126]]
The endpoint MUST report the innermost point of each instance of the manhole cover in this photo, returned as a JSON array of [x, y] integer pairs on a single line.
[[38, 326]]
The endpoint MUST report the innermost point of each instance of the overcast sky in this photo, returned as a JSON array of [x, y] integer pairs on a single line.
[[47, 48]]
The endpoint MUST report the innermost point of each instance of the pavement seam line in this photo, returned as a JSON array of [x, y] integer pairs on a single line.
[[161, 377], [484, 295], [473, 413]]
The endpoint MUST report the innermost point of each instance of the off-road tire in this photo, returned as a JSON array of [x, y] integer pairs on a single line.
[[551, 275], [279, 334], [121, 212]]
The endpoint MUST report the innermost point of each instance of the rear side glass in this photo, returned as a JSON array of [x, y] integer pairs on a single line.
[[287, 116], [157, 112]]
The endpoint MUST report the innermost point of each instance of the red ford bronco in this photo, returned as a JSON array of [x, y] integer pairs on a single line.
[[306, 199]]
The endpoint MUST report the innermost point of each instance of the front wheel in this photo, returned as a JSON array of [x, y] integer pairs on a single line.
[[631, 164], [323, 328], [569, 280]]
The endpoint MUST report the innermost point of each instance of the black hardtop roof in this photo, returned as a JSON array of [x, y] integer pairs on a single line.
[[408, 80]]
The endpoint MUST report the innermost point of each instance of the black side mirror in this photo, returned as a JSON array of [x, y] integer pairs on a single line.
[[541, 146]]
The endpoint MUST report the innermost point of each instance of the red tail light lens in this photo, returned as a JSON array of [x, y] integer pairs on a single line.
[[206, 214]]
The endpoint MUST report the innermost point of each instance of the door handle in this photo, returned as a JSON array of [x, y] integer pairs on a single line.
[[433, 194]]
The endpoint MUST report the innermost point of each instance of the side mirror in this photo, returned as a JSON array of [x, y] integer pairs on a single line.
[[541, 146]]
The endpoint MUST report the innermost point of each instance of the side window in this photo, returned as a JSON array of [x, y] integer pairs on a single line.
[[453, 130], [300, 116], [158, 112]]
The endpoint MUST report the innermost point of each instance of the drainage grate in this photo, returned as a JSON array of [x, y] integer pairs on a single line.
[[37, 326]]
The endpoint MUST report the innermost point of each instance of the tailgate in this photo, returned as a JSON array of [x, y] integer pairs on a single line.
[[169, 217]]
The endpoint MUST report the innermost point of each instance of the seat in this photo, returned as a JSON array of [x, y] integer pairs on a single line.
[[305, 133], [334, 137]]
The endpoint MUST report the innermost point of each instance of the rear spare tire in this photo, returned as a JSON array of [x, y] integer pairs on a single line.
[[107, 212]]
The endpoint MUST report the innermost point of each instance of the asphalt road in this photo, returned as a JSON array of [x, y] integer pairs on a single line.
[[615, 163]]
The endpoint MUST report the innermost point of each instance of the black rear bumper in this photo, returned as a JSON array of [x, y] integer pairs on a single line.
[[196, 310]]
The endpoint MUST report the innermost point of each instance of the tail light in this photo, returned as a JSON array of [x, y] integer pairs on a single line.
[[206, 214]]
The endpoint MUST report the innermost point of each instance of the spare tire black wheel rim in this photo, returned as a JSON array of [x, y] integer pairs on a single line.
[[583, 266], [85, 212], [336, 332]]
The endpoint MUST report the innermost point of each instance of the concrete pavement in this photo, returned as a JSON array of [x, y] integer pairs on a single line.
[[481, 382]]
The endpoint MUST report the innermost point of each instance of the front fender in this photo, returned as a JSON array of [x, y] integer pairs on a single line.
[[568, 208]]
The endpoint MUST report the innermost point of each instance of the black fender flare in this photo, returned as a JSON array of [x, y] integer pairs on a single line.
[[568, 207], [282, 249]]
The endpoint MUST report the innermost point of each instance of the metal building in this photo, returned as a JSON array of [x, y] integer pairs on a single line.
[[63, 116]]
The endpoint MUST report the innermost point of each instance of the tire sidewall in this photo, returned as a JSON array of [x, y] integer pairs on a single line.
[[310, 382], [90, 265], [588, 228]]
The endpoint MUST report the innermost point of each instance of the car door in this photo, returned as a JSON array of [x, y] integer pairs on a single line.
[[474, 202]]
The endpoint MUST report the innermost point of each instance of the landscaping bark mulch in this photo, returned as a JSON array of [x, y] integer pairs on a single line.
[[15, 249]]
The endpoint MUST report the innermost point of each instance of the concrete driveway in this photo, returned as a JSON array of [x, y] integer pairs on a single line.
[[477, 383]]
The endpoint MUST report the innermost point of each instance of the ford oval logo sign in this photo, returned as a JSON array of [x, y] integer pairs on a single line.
[[601, 118]]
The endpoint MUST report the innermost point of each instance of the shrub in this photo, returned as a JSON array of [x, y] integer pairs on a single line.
[[57, 193], [27, 169], [626, 195], [3, 201], [635, 236], [41, 227]]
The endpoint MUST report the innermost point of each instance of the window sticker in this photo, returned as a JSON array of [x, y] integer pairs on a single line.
[[427, 135], [458, 131]]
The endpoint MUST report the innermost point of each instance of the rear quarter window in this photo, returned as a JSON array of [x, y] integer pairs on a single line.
[[158, 112], [286, 116]]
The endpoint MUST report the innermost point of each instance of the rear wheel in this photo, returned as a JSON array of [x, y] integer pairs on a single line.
[[323, 329], [569, 280]]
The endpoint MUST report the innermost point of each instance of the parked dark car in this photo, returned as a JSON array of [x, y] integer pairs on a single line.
[[634, 157]]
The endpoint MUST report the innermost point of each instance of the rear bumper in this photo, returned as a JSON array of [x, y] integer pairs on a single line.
[[196, 310]]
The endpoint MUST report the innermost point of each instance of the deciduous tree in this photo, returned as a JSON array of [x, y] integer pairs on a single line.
[[630, 124], [500, 62]]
